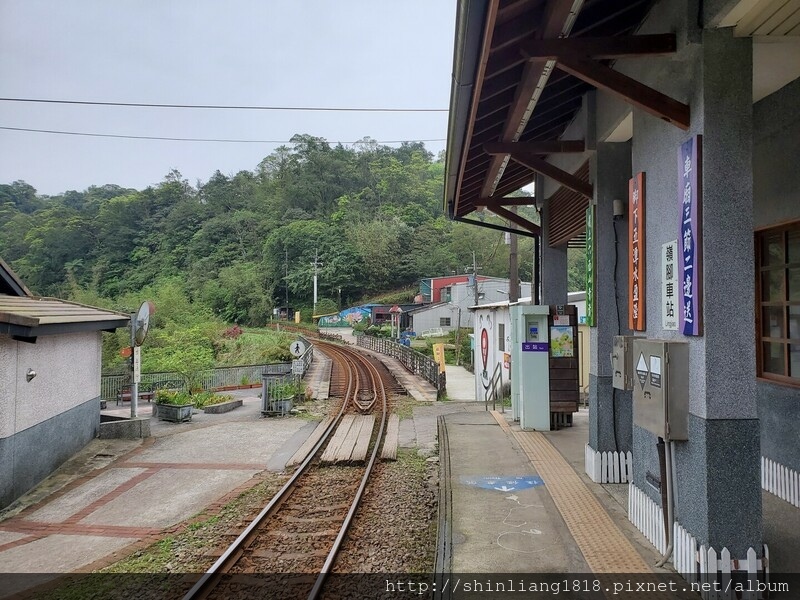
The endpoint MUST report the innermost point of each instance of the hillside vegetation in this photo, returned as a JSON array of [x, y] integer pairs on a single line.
[[238, 245]]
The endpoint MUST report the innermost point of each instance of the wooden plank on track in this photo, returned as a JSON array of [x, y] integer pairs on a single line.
[[346, 449], [315, 436], [361, 446], [389, 451], [338, 438]]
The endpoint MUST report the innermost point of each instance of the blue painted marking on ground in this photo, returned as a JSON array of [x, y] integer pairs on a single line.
[[503, 483]]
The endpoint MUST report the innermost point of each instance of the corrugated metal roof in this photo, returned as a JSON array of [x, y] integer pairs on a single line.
[[38, 312]]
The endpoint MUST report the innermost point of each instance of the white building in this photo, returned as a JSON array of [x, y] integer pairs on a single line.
[[50, 364], [457, 300]]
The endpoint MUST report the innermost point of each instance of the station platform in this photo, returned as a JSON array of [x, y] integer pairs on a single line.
[[517, 502]]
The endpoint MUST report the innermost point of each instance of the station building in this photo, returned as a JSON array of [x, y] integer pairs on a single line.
[[50, 366], [663, 136]]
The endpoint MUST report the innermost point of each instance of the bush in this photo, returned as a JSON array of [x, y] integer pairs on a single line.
[[286, 389], [199, 399], [178, 398]]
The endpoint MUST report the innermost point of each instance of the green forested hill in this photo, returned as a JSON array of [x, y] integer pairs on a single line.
[[234, 244]]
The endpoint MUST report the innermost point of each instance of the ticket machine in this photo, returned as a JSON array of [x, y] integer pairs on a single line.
[[530, 357]]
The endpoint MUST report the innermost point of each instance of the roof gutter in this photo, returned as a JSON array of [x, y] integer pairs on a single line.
[[470, 18]]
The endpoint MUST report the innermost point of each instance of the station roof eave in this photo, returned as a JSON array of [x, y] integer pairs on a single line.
[[520, 71], [28, 317], [501, 304]]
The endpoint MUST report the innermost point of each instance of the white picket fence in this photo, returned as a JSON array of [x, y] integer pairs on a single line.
[[702, 566], [647, 516], [781, 481], [608, 467]]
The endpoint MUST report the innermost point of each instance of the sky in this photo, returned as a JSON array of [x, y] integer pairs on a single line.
[[276, 53]]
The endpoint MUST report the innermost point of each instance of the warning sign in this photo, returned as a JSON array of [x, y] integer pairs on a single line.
[[641, 370], [655, 371]]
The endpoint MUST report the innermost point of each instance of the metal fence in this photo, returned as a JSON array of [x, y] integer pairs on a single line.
[[414, 361], [209, 379]]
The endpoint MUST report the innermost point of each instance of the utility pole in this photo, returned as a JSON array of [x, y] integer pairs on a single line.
[[286, 279], [474, 278], [513, 265], [316, 264]]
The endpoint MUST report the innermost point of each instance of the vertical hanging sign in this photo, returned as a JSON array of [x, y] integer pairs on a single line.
[[636, 256], [669, 287], [690, 267], [590, 266]]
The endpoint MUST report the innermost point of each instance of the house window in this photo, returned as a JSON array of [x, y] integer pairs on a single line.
[[778, 303], [444, 321], [447, 294], [501, 337]]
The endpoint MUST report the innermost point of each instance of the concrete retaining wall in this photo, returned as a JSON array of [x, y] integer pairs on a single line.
[[222, 407]]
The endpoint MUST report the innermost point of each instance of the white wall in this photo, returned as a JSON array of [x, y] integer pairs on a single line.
[[491, 319], [67, 374]]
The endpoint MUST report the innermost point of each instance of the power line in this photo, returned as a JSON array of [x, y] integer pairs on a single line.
[[182, 139], [222, 107]]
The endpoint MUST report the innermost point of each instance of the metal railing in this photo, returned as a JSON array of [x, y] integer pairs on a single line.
[[209, 379], [414, 361], [494, 390]]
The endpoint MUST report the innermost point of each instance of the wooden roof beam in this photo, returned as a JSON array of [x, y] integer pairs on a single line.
[[518, 220], [626, 88], [507, 201], [540, 147], [555, 15], [563, 177], [609, 47]]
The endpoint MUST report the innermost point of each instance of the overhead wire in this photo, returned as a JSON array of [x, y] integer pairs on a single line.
[[208, 106], [222, 106], [184, 139]]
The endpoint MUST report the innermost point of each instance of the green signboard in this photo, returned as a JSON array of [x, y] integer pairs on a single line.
[[590, 266]]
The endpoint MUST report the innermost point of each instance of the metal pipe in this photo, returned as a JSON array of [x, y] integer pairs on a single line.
[[670, 513], [537, 280]]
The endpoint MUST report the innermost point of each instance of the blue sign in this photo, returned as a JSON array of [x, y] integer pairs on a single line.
[[535, 346], [503, 483], [689, 270]]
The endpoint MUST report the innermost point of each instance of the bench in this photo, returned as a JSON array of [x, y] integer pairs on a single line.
[[147, 391]]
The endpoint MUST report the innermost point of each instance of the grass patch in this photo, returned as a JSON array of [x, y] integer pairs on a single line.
[[404, 406]]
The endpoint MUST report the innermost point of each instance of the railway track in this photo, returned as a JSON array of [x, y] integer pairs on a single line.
[[290, 547]]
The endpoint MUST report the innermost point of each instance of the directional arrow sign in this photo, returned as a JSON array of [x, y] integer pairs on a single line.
[[641, 370], [503, 483]]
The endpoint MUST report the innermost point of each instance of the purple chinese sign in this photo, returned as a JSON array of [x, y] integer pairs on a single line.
[[535, 346], [690, 268]]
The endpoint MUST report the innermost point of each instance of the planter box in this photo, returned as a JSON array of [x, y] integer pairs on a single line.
[[222, 407], [174, 412], [278, 407]]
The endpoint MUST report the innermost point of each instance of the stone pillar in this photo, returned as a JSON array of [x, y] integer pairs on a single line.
[[554, 265], [610, 410], [719, 499]]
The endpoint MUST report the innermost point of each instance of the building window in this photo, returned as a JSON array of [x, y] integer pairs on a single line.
[[778, 303], [501, 337], [444, 321], [447, 294]]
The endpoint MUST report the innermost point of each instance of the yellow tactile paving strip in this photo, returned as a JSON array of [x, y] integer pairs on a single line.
[[603, 545]]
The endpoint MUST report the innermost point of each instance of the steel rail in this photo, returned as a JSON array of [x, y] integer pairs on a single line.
[[349, 359], [208, 581], [357, 500]]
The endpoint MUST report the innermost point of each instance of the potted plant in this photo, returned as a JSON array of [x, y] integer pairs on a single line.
[[282, 396], [174, 405]]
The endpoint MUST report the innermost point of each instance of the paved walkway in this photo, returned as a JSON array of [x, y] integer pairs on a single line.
[[460, 384]]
